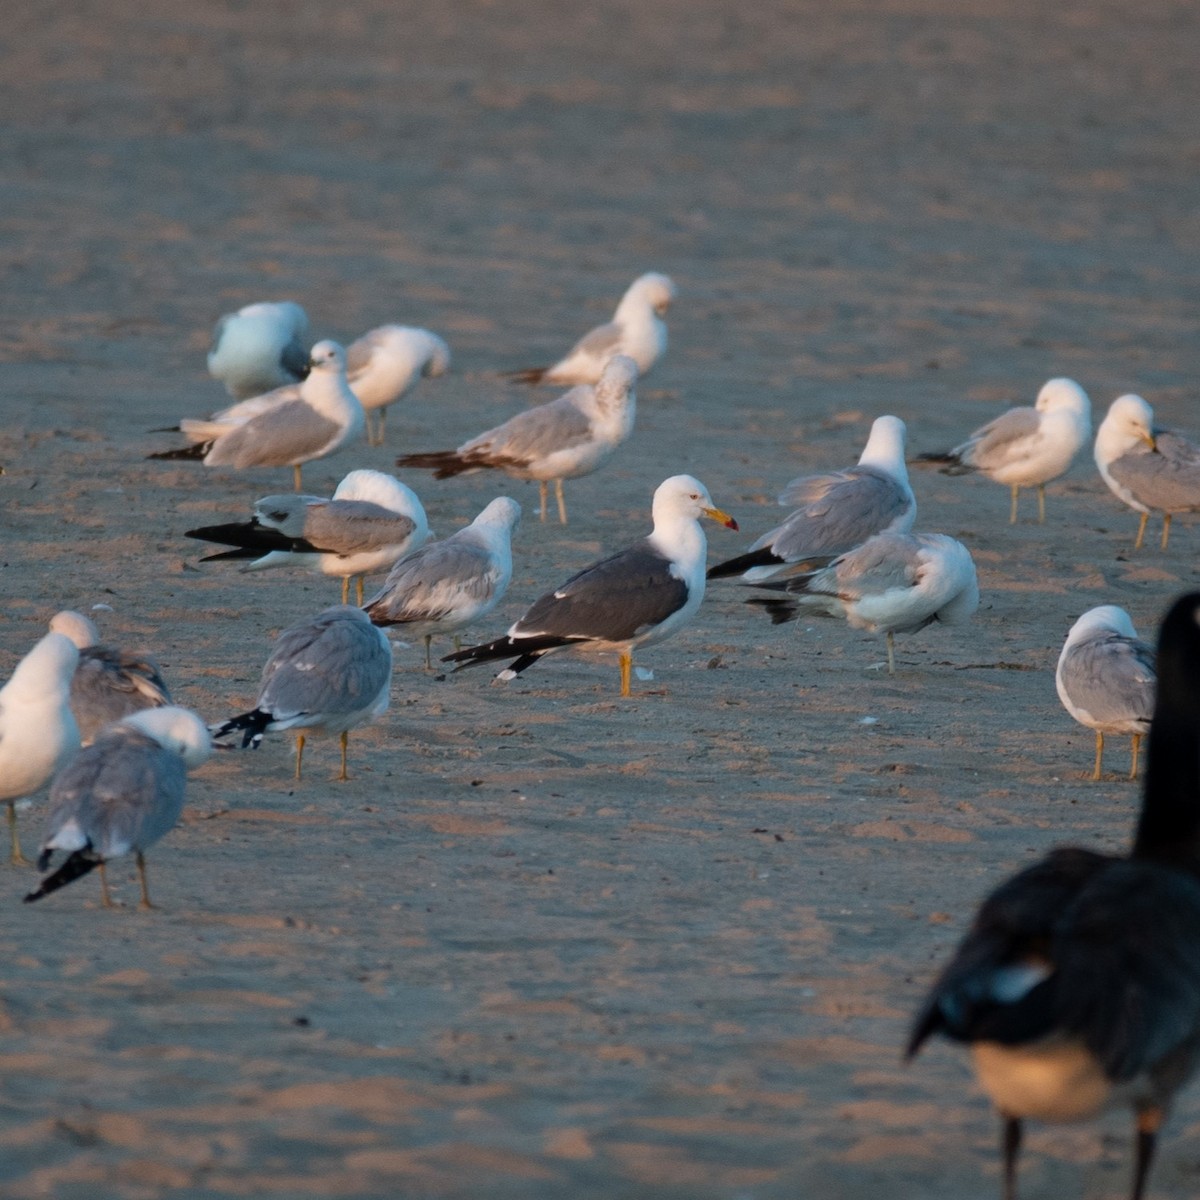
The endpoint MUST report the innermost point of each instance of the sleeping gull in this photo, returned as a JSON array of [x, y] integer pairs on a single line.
[[892, 583], [1077, 987], [108, 684], [288, 427], [1026, 447], [1105, 678], [386, 363], [446, 586], [37, 731], [568, 437], [1149, 469], [122, 793], [328, 674], [837, 510], [371, 521], [637, 330], [639, 596], [260, 347]]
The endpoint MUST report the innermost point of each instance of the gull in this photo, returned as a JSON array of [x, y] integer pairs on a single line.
[[634, 598], [37, 731], [371, 521], [260, 347], [1105, 678], [837, 511], [1150, 469], [892, 583], [386, 363], [328, 674], [637, 330], [108, 684], [124, 792], [1026, 447], [568, 437], [448, 585], [1077, 987], [288, 427]]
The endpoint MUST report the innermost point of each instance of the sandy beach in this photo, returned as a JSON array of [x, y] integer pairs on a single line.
[[547, 942]]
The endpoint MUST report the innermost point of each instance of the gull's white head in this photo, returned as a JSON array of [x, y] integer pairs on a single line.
[[1129, 422], [885, 446], [684, 496], [45, 671], [655, 290], [80, 629], [176, 729], [327, 356], [503, 513], [1064, 395], [438, 360], [1107, 618]]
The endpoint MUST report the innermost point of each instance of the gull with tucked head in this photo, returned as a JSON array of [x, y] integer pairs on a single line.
[[260, 347], [385, 364]]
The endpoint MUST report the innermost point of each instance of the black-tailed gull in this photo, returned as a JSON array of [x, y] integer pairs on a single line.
[[638, 329], [448, 585], [892, 583], [288, 427], [372, 521], [123, 793], [386, 363], [108, 683], [260, 347], [836, 510], [1105, 678], [328, 674], [639, 596], [37, 729], [1026, 447], [1077, 986], [1150, 469], [567, 438]]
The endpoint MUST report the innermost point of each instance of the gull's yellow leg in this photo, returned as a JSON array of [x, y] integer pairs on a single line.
[[1166, 529], [626, 670], [345, 740], [299, 752], [380, 425], [15, 856], [1099, 755], [1137, 745], [1137, 545], [296, 478], [358, 580], [562, 504], [542, 497], [1041, 504], [141, 866], [105, 898], [891, 645], [428, 657], [1012, 512], [457, 642], [345, 589]]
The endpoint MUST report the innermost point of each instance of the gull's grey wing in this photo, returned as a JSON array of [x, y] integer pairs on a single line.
[[1166, 478], [602, 342], [359, 353], [276, 438], [432, 583], [110, 684], [532, 434], [351, 526], [1111, 677], [883, 563], [988, 447], [613, 600]]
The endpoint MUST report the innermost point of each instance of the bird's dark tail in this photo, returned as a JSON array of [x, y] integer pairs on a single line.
[[165, 429], [947, 460], [251, 538], [251, 725], [443, 463], [779, 608], [527, 651], [76, 865], [763, 557], [196, 451], [525, 375]]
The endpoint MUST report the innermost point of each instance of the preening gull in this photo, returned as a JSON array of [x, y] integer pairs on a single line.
[[446, 586], [1026, 447], [37, 730], [1077, 987], [386, 363], [108, 683], [260, 347], [638, 329], [568, 437], [288, 427], [892, 583], [124, 792], [837, 510], [328, 674], [1105, 678], [639, 596], [1150, 469], [372, 521]]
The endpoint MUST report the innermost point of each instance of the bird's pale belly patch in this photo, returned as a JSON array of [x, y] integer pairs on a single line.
[[1058, 1081]]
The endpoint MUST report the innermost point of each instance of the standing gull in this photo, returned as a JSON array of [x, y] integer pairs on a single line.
[[1150, 469], [372, 521], [108, 684], [639, 596], [386, 363], [288, 427], [1077, 987], [1105, 678], [1026, 447], [122, 793], [638, 329], [892, 583], [260, 347], [837, 510], [328, 674], [37, 731], [446, 586], [568, 437]]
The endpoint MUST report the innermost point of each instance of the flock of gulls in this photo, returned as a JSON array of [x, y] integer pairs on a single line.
[[1077, 987]]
